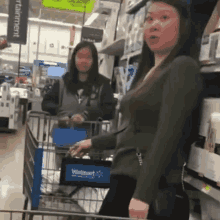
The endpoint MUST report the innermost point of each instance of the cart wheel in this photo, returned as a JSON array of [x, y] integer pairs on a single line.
[[25, 207]]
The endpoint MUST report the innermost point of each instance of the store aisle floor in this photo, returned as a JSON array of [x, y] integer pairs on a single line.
[[11, 174]]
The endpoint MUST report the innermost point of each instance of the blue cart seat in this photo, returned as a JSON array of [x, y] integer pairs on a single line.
[[66, 136]]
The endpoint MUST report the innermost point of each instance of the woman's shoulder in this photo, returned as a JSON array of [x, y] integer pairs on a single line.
[[184, 68], [184, 60]]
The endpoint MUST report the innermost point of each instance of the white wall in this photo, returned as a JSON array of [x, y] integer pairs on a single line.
[[50, 33]]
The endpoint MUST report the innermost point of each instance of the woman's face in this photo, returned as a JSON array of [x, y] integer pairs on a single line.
[[83, 60], [161, 27]]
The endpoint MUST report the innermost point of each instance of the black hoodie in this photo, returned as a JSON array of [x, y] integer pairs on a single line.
[[105, 99]]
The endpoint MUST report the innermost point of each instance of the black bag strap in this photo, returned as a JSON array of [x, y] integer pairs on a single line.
[[61, 90], [182, 176]]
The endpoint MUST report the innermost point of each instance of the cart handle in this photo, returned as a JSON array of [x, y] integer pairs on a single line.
[[37, 112]]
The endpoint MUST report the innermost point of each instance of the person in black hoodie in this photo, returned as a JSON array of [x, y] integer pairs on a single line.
[[160, 118], [86, 94]]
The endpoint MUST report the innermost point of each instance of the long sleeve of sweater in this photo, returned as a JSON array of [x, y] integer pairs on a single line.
[[104, 142]]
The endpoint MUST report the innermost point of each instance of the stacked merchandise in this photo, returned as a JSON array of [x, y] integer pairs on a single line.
[[134, 32], [124, 77], [138, 29], [120, 76], [105, 33], [217, 48], [213, 47], [122, 23], [131, 71], [128, 39], [109, 32], [205, 49]]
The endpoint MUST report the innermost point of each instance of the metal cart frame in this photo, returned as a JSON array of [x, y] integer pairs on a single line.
[[59, 215], [38, 142]]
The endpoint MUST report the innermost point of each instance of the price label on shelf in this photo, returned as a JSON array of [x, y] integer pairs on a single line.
[[206, 188]]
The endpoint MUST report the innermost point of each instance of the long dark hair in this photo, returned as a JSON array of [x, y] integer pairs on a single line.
[[186, 44], [71, 78]]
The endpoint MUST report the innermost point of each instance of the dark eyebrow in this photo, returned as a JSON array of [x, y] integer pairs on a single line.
[[159, 11]]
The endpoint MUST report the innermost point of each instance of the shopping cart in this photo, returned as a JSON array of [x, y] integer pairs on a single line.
[[41, 176], [44, 215]]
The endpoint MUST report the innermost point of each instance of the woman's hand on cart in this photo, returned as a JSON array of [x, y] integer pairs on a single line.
[[77, 119], [138, 209], [80, 149]]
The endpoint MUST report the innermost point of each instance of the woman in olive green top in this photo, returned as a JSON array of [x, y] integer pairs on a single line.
[[160, 117]]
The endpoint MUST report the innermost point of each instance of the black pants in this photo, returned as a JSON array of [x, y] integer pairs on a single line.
[[122, 188]]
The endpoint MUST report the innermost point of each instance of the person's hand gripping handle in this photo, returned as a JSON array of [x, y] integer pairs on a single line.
[[80, 148]]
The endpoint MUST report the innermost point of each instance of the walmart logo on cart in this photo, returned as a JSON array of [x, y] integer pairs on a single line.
[[86, 174]]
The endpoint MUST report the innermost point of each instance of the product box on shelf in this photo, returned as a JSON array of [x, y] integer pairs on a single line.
[[205, 49], [131, 71], [120, 76], [217, 54], [105, 6], [128, 39], [197, 160], [106, 65], [213, 134], [212, 161], [211, 138], [109, 32], [212, 171], [122, 22], [138, 28], [213, 47], [121, 27]]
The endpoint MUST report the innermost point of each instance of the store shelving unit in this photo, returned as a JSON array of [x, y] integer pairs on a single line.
[[211, 68], [132, 54], [115, 49], [202, 186], [131, 8]]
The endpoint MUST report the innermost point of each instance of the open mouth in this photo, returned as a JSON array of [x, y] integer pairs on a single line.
[[153, 37]]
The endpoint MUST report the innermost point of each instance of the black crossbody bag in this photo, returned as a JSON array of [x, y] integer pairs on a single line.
[[169, 202]]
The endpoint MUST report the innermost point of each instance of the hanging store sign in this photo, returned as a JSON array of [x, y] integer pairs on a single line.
[[17, 21], [92, 34]]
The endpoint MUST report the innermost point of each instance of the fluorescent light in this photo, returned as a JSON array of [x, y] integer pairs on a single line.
[[50, 63], [91, 18]]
